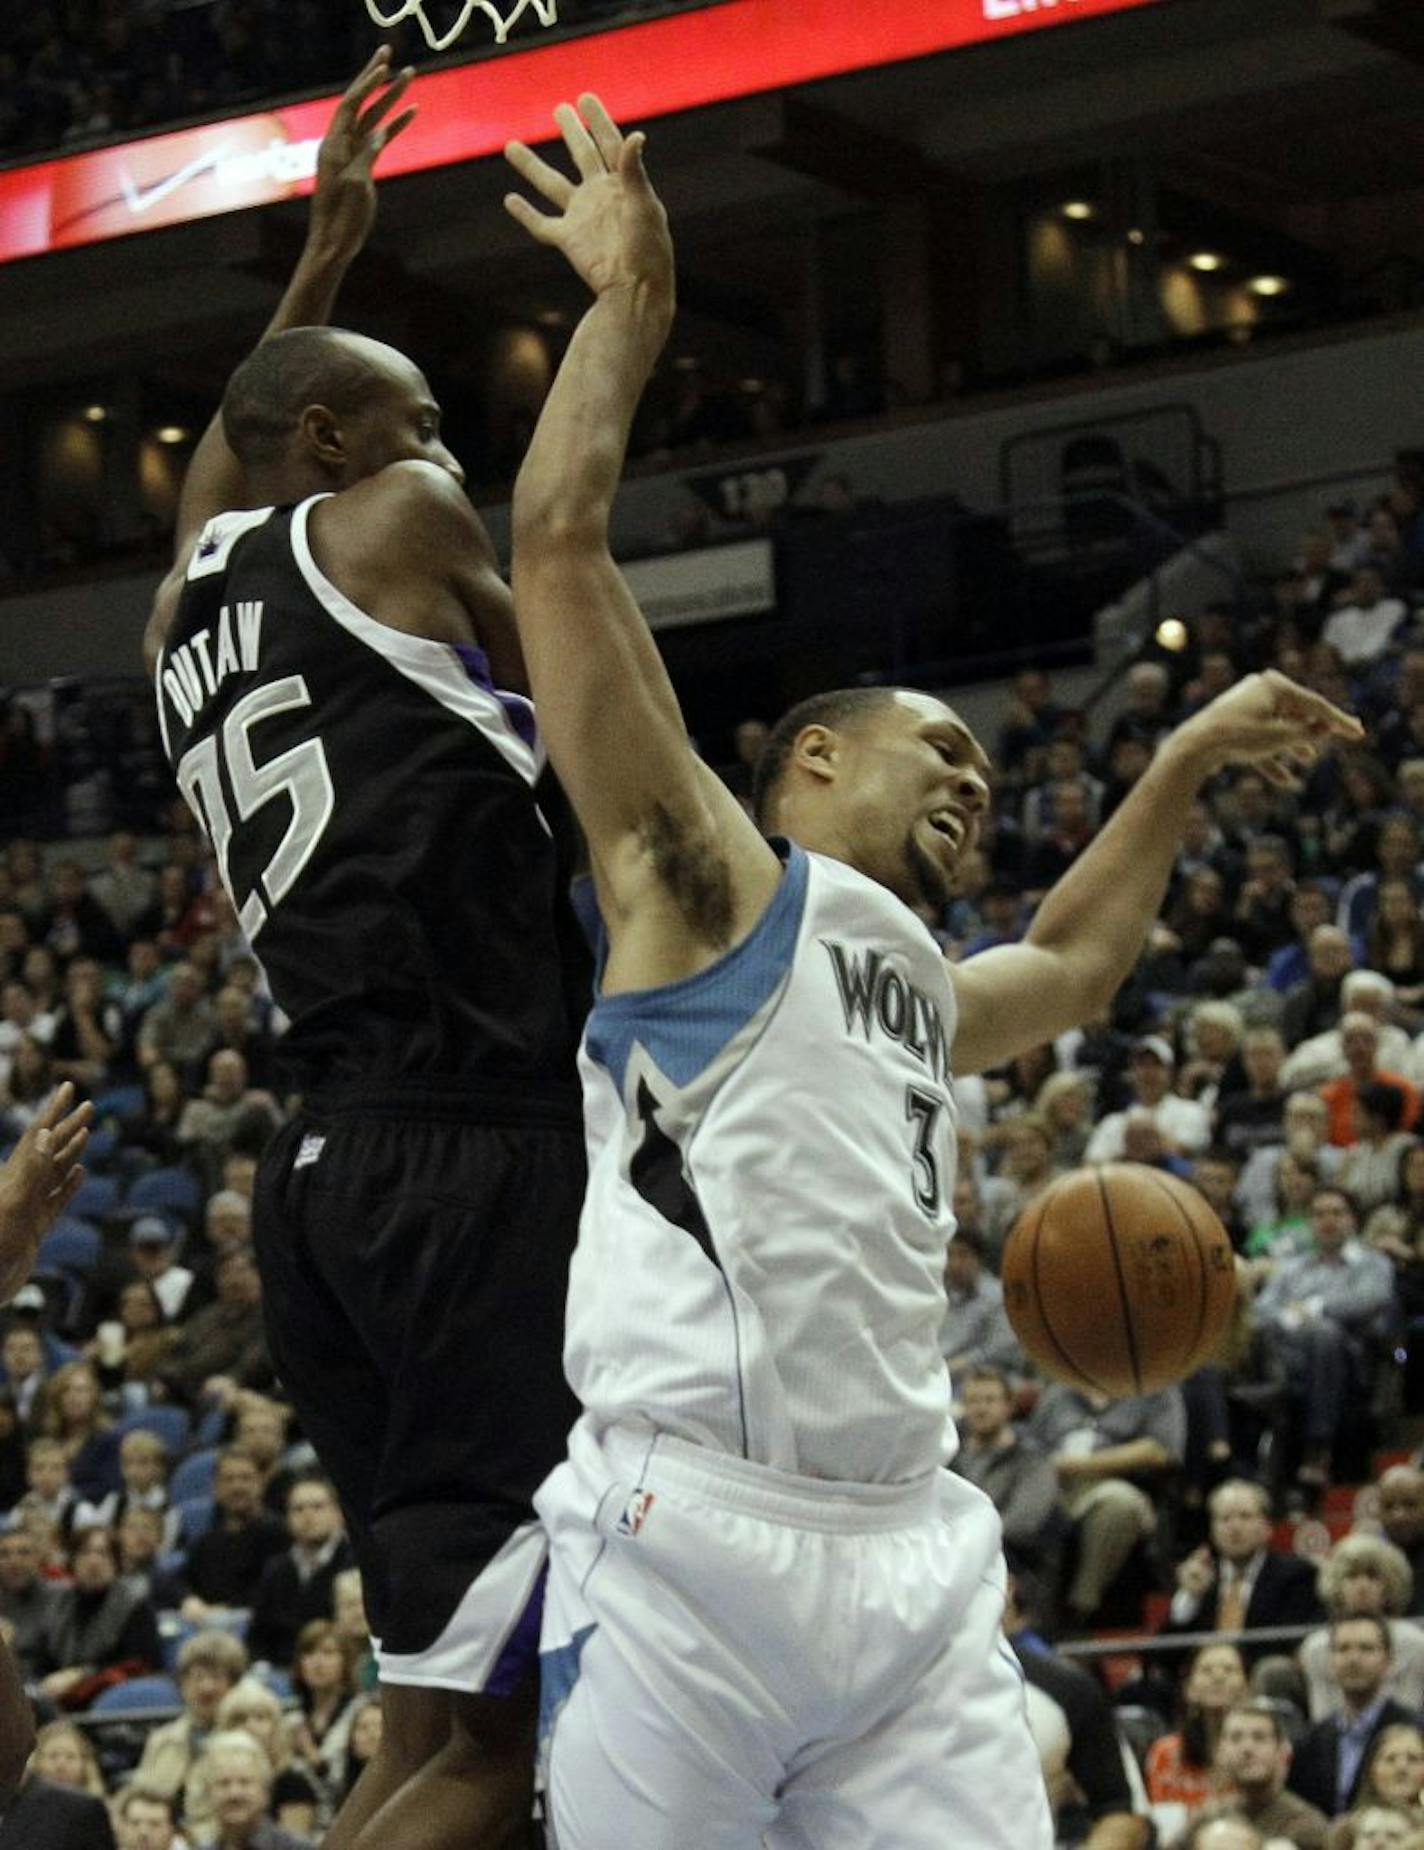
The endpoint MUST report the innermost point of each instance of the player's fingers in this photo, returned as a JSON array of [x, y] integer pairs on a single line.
[[386, 102], [68, 1189], [631, 162], [580, 144], [556, 187], [65, 1153], [607, 136], [388, 134], [370, 78], [538, 224], [55, 1107]]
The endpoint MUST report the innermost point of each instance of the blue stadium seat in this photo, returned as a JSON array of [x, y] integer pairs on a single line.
[[98, 1197], [174, 1191], [175, 1631], [123, 1102], [71, 1246], [194, 1477], [195, 1515], [138, 1693], [277, 1681], [99, 1150], [171, 1424]]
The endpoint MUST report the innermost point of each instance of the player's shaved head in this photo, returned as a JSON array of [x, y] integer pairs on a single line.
[[284, 377], [838, 710]]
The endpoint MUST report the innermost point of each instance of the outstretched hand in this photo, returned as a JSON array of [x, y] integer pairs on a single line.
[[37, 1183], [611, 225], [1271, 723], [343, 207]]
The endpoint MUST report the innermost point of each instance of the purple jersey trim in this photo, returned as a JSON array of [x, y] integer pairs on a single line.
[[521, 1648], [520, 712]]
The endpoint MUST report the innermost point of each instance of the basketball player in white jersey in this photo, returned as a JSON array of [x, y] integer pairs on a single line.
[[772, 1616]]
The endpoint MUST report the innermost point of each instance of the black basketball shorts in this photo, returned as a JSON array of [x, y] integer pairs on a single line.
[[414, 1271]]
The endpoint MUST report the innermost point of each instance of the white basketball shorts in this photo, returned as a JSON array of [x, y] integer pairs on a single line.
[[734, 1657]]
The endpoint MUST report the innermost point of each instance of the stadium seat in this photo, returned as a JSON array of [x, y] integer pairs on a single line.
[[194, 1477], [176, 1631], [171, 1424], [72, 1246], [277, 1681], [138, 1693], [98, 1197], [120, 1102], [195, 1515], [172, 1191]]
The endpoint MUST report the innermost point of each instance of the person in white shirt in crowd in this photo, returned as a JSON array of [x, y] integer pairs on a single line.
[[1320, 1311], [1362, 630], [1322, 1057], [1185, 1126], [1364, 1574], [153, 1252], [1305, 1122]]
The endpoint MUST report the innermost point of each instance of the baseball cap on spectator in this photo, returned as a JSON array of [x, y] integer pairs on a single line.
[[1158, 1048], [151, 1230], [28, 1297]]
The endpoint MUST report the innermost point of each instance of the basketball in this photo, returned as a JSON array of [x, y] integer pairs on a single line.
[[1119, 1280]]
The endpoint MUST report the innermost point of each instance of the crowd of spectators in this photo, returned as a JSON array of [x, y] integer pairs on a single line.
[[167, 1541]]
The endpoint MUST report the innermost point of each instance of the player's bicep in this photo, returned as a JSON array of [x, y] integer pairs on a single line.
[[1010, 999], [653, 813]]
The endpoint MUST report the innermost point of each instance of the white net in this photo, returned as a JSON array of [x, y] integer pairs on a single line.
[[546, 11]]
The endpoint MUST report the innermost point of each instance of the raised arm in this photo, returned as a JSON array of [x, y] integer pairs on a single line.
[[38, 1180], [682, 873], [343, 210], [1091, 927]]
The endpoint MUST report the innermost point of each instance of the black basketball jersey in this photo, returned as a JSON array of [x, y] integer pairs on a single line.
[[369, 796]]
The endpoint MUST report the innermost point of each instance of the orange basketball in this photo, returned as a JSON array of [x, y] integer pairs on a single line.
[[1119, 1279]]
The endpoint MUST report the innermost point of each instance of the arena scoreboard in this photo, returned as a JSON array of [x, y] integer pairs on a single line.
[[686, 58]]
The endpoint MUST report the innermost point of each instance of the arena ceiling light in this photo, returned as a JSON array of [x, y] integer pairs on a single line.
[[684, 60], [1079, 210], [95, 414], [171, 433], [1207, 262], [1268, 285]]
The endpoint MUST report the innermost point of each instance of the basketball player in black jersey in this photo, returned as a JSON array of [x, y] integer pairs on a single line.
[[337, 672]]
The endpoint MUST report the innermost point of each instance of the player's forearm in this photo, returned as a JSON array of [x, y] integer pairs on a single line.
[[575, 461], [1099, 914]]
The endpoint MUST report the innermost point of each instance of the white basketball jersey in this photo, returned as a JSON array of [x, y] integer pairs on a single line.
[[771, 1154]]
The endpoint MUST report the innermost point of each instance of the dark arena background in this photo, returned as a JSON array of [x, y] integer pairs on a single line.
[[1060, 356]]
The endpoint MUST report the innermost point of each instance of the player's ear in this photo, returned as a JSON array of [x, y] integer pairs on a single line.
[[323, 439], [817, 751]]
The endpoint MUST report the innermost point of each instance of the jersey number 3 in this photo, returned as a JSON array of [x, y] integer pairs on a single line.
[[300, 775], [923, 1110]]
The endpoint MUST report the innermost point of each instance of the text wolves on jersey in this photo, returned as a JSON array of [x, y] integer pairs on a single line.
[[874, 994]]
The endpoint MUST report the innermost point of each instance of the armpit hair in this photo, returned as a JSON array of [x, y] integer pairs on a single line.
[[698, 877]]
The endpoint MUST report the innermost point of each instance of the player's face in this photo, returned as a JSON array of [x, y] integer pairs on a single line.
[[399, 422], [914, 783]]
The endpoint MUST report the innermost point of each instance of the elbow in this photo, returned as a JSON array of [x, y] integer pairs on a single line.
[[558, 526]]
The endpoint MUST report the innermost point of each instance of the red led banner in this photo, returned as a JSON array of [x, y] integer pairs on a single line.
[[681, 61]]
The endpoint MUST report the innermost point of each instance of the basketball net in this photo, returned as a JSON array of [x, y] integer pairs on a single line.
[[546, 11]]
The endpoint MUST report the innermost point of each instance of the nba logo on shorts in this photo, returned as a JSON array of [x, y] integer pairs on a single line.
[[635, 1512]]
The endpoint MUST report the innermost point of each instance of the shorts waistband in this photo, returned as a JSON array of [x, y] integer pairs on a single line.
[[652, 1461], [510, 1108]]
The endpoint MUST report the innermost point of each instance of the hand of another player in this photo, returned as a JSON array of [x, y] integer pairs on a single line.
[[38, 1182], [1270, 722], [343, 208], [611, 225], [1197, 1574]]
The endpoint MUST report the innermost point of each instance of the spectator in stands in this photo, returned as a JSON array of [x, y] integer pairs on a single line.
[[1214, 1175], [1370, 1170], [227, 1228], [1313, 1005], [1359, 1041], [362, 1743], [73, 1415], [153, 1252], [1253, 1756], [165, 1101], [239, 1777], [224, 1565], [1397, 860], [1262, 921], [147, 1820], [1311, 906], [1007, 1465], [181, 1029], [24, 1367], [1026, 1169], [1247, 1119], [76, 925], [26, 1598], [224, 1345], [1031, 723], [1148, 712], [976, 1332], [87, 1028], [1329, 1761], [324, 1681], [297, 1798], [1401, 1517], [51, 1815], [50, 1494], [1238, 1581], [1103, 1451], [141, 1536], [1361, 631], [1396, 938], [1362, 1574], [228, 1107], [123, 888], [210, 1663], [30, 1082], [1319, 1311], [97, 1624], [1394, 1772], [1375, 1827], [147, 1338], [1193, 923], [1184, 1125], [1180, 1766], [1363, 992], [296, 1586]]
